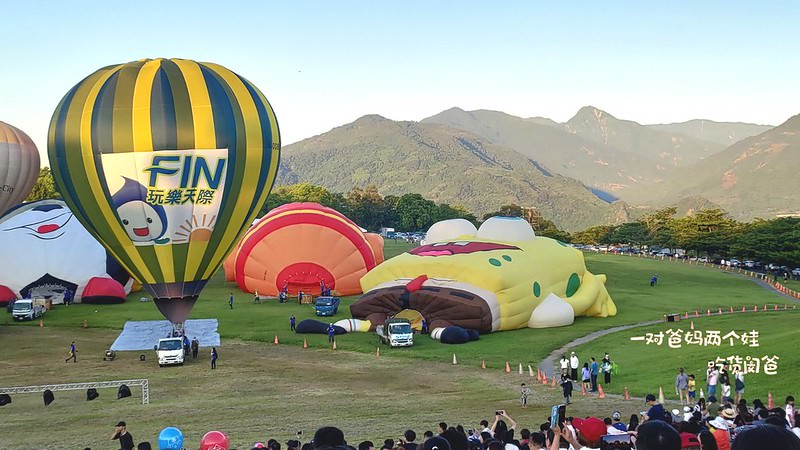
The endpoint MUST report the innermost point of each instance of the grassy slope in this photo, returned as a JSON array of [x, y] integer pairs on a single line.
[[264, 391]]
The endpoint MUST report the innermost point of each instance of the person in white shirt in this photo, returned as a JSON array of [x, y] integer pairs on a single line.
[[564, 363], [574, 363], [789, 411]]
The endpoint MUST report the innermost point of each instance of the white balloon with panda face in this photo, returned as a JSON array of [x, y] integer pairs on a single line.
[[45, 250]]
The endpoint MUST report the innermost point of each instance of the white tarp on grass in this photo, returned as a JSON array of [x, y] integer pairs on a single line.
[[143, 335]]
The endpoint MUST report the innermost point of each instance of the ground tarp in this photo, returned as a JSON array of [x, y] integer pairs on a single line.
[[143, 335]]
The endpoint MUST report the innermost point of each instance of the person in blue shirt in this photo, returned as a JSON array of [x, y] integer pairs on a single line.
[[292, 322], [230, 300], [72, 353], [654, 280], [214, 357], [331, 332], [656, 411], [594, 370]]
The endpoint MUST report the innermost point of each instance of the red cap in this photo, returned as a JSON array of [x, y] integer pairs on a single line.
[[592, 428]]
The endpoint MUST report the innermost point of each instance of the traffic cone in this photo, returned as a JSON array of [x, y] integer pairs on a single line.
[[85, 323], [553, 384], [696, 314], [686, 316], [508, 368], [41, 323], [731, 309], [765, 308], [691, 325], [627, 393], [483, 364], [770, 401], [720, 311], [544, 379], [743, 309], [520, 368], [660, 395], [334, 345], [455, 361], [708, 312], [276, 340], [538, 374], [305, 343], [583, 389], [755, 308], [378, 352], [530, 370], [601, 394]]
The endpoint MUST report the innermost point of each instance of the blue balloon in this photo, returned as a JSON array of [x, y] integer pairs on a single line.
[[170, 438]]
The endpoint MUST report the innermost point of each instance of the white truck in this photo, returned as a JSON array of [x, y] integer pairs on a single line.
[[396, 333], [170, 351], [25, 309]]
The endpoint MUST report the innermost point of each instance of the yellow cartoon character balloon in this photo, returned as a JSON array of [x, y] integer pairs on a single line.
[[166, 162], [465, 281]]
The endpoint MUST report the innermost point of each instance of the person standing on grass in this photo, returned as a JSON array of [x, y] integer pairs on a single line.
[[292, 322], [594, 371], [654, 280], [230, 300], [586, 377], [564, 363], [195, 347], [712, 376], [524, 394], [691, 395], [566, 387], [72, 353], [605, 367], [214, 357], [574, 363], [682, 386], [121, 434], [331, 332]]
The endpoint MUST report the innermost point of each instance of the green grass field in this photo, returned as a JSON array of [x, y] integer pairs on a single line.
[[263, 391]]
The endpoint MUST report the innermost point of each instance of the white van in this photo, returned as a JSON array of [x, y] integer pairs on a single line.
[[169, 351]]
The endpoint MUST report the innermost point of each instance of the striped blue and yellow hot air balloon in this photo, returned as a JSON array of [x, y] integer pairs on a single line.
[[166, 162]]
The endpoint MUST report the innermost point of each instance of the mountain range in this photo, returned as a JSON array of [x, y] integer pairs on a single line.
[[593, 169]]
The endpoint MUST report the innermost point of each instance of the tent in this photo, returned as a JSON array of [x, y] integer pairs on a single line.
[[303, 247]]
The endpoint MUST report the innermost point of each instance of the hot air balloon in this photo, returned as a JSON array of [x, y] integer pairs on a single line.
[[166, 162], [19, 166]]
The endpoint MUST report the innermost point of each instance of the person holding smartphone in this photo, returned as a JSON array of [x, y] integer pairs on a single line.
[[502, 431]]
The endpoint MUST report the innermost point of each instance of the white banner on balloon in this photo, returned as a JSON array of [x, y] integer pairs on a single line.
[[166, 197]]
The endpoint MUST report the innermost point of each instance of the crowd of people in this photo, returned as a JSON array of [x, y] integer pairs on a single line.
[[707, 425]]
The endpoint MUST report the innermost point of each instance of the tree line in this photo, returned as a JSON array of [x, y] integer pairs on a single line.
[[706, 232]]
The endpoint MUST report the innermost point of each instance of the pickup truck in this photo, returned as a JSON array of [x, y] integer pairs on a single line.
[[169, 351], [396, 333], [24, 309], [326, 306]]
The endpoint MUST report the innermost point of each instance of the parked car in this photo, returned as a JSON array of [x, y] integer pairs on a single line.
[[24, 309], [796, 271], [749, 264]]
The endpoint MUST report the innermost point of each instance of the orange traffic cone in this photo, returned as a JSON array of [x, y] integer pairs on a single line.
[[770, 401], [553, 384], [544, 378], [696, 314], [583, 389], [41, 323], [765, 308], [305, 343], [508, 368], [731, 309], [538, 374], [334, 345], [776, 307], [691, 325], [686, 316], [600, 389], [708, 312], [743, 309], [627, 393], [276, 340], [719, 311], [483, 364], [755, 308], [378, 352]]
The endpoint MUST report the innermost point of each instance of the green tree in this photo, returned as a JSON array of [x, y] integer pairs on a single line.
[[708, 231], [415, 212], [547, 228], [595, 235], [774, 241], [45, 187], [511, 210], [632, 233]]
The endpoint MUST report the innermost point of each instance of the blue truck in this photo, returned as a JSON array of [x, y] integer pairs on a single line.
[[326, 306]]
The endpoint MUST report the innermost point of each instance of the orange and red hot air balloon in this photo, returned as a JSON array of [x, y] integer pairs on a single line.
[[304, 247]]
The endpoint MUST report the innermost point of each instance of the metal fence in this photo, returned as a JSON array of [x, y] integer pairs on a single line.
[[81, 386]]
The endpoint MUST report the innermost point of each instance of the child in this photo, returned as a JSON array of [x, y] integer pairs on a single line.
[[526, 391], [566, 387], [692, 388]]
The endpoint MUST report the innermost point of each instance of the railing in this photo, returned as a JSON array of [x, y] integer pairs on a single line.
[[80, 386]]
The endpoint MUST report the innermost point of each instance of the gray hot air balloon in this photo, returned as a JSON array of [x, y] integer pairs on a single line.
[[19, 166]]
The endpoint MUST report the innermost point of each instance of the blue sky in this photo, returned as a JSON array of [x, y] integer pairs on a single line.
[[325, 63]]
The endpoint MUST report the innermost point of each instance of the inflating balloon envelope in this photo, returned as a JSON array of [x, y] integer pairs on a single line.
[[19, 166], [166, 162]]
